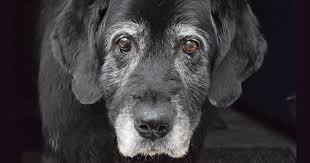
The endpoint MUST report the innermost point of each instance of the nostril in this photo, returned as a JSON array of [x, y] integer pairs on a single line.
[[162, 128], [144, 127], [136, 97]]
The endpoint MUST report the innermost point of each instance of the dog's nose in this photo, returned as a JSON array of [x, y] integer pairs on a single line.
[[152, 129], [153, 123]]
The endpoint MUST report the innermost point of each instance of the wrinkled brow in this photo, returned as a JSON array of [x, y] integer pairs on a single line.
[[123, 27]]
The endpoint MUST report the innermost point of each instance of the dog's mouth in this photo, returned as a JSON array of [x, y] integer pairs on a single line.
[[164, 147], [152, 150], [144, 158]]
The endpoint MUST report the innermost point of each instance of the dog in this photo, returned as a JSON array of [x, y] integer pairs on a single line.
[[137, 80]]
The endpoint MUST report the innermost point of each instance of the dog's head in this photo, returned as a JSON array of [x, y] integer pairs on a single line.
[[156, 62]]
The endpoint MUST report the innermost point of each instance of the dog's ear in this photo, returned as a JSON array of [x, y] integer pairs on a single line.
[[73, 45], [240, 52]]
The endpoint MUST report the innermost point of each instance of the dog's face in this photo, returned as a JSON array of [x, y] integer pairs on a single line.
[[156, 73], [155, 63]]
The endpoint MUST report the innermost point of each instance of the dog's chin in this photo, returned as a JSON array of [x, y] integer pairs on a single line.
[[150, 149]]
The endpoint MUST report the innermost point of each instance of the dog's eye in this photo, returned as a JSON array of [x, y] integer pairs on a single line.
[[124, 44], [190, 46]]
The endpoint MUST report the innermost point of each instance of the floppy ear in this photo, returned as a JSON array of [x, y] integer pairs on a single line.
[[241, 49], [73, 46]]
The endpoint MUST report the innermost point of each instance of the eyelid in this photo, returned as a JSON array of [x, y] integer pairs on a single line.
[[195, 38], [121, 35]]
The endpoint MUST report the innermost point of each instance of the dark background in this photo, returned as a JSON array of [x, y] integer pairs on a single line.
[[267, 90], [264, 93]]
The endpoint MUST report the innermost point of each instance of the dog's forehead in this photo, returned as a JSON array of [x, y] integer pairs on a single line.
[[158, 14]]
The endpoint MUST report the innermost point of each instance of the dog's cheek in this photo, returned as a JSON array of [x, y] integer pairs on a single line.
[[113, 80], [115, 72], [111, 76], [195, 78]]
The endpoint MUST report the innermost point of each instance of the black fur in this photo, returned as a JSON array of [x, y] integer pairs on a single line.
[[242, 49], [72, 101]]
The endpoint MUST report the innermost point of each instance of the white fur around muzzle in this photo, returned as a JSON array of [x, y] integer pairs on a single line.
[[175, 144]]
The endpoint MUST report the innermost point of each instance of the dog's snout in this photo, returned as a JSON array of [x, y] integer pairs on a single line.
[[153, 122]]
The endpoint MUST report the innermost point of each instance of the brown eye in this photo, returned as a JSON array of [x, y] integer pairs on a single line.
[[124, 44], [190, 46]]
